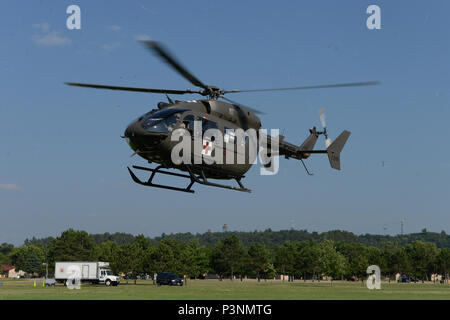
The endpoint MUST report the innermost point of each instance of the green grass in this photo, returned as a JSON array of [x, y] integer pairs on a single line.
[[214, 289]]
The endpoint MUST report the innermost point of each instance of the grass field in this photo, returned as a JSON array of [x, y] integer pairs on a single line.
[[214, 289]]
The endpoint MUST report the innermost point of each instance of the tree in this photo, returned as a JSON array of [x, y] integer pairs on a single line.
[[357, 257], [201, 258], [375, 257], [185, 254], [33, 264], [119, 238], [120, 262], [331, 262], [307, 264], [423, 257], [388, 250], [106, 251], [401, 261], [27, 258], [259, 259], [135, 257], [110, 252], [286, 258], [44, 242], [6, 248], [4, 259], [443, 261], [72, 246], [227, 256], [165, 257]]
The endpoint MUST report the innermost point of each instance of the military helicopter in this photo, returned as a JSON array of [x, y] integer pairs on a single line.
[[150, 135]]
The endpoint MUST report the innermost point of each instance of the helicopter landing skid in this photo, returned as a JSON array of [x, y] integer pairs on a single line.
[[200, 179]]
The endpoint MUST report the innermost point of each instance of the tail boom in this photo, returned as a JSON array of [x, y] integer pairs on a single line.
[[302, 152]]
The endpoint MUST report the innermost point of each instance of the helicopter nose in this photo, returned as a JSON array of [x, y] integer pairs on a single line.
[[139, 138], [131, 134], [128, 132], [132, 130]]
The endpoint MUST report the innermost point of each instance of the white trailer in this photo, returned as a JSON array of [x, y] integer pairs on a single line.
[[94, 272]]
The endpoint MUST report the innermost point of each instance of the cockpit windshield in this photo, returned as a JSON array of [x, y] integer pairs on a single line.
[[162, 121]]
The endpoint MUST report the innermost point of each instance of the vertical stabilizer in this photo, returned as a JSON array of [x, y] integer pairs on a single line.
[[334, 150], [310, 141]]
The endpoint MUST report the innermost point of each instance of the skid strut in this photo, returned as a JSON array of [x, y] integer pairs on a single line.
[[194, 178]]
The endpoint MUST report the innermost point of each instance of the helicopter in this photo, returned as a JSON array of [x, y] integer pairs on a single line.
[[151, 136]]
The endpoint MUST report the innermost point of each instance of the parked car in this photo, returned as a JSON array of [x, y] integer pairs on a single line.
[[168, 278], [404, 279], [49, 282]]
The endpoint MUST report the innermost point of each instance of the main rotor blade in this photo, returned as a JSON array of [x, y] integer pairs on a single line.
[[99, 86], [338, 85], [241, 105], [163, 53]]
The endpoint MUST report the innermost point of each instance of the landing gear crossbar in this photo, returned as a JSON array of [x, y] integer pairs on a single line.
[[194, 178]]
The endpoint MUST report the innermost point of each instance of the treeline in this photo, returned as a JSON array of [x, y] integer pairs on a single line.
[[276, 238], [273, 238], [230, 257]]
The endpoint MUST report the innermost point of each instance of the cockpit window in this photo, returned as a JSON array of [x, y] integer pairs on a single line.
[[163, 121], [188, 122]]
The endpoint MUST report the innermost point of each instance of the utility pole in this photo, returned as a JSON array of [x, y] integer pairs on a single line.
[[46, 269], [45, 263]]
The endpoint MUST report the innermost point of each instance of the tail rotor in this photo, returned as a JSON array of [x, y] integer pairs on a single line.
[[333, 148], [324, 126]]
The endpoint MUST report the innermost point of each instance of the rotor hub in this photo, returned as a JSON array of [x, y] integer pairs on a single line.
[[213, 92]]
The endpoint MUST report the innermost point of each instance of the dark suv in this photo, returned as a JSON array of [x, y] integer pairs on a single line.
[[168, 278]]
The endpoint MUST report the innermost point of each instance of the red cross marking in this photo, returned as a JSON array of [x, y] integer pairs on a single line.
[[207, 147]]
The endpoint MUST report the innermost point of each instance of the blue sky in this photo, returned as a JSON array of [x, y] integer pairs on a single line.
[[63, 163]]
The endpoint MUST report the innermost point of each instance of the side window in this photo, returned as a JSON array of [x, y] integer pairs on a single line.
[[172, 121], [206, 125], [229, 136], [189, 124]]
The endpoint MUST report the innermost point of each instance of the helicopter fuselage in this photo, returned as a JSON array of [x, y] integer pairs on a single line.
[[150, 136]]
